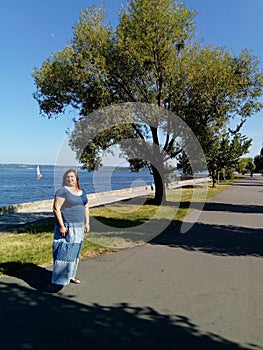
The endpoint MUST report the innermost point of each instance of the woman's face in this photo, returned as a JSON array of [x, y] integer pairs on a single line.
[[71, 179]]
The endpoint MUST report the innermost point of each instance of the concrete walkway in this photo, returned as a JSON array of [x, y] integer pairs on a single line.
[[198, 290]]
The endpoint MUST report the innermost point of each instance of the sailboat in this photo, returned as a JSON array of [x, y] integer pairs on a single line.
[[39, 175]]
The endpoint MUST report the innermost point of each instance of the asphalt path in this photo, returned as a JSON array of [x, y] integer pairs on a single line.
[[202, 289]]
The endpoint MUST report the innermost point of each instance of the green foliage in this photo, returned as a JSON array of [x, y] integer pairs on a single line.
[[76, 75], [245, 165], [150, 38], [224, 150], [258, 161], [226, 174]]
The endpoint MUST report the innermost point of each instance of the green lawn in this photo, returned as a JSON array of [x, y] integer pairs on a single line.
[[117, 225]]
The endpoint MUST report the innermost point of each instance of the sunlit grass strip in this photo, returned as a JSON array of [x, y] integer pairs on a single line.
[[32, 245], [126, 216], [26, 248], [122, 222], [23, 249]]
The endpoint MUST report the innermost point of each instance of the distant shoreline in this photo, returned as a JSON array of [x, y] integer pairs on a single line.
[[8, 166]]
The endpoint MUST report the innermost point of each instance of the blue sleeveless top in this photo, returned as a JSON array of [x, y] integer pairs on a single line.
[[73, 210]]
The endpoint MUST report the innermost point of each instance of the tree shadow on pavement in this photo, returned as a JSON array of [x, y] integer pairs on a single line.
[[33, 320], [233, 208], [35, 276], [214, 206], [250, 181], [214, 239], [218, 239], [17, 221]]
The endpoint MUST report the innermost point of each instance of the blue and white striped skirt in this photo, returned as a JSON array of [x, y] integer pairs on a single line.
[[66, 251]]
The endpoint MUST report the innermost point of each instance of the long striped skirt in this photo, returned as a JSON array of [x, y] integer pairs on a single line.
[[66, 251]]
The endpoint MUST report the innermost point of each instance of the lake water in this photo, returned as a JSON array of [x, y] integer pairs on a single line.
[[22, 186]]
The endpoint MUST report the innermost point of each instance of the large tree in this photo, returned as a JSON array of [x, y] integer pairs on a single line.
[[150, 58], [258, 161], [224, 149], [246, 165], [226, 152]]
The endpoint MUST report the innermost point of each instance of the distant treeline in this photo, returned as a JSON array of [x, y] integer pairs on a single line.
[[22, 166], [17, 166], [51, 167]]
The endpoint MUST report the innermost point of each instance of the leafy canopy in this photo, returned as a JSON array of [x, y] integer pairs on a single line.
[[152, 58]]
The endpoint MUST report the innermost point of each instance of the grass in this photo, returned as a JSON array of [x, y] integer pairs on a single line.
[[127, 223], [32, 245], [118, 225]]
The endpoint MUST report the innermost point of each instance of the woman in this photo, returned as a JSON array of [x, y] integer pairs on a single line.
[[71, 211]]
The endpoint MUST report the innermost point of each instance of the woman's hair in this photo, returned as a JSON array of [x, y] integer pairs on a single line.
[[65, 177]]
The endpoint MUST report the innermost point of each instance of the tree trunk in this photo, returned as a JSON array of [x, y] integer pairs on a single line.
[[214, 181], [159, 187], [214, 176]]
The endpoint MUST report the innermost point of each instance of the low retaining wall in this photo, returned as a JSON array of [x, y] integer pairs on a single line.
[[190, 182], [97, 199]]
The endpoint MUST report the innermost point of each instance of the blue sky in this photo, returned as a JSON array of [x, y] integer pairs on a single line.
[[31, 30]]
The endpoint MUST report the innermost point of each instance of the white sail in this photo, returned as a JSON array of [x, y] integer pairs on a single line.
[[39, 175]]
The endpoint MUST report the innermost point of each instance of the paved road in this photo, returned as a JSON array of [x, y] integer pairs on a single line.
[[198, 290]]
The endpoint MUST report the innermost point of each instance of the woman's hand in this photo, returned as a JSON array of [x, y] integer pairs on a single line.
[[86, 228], [63, 231], [57, 204]]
